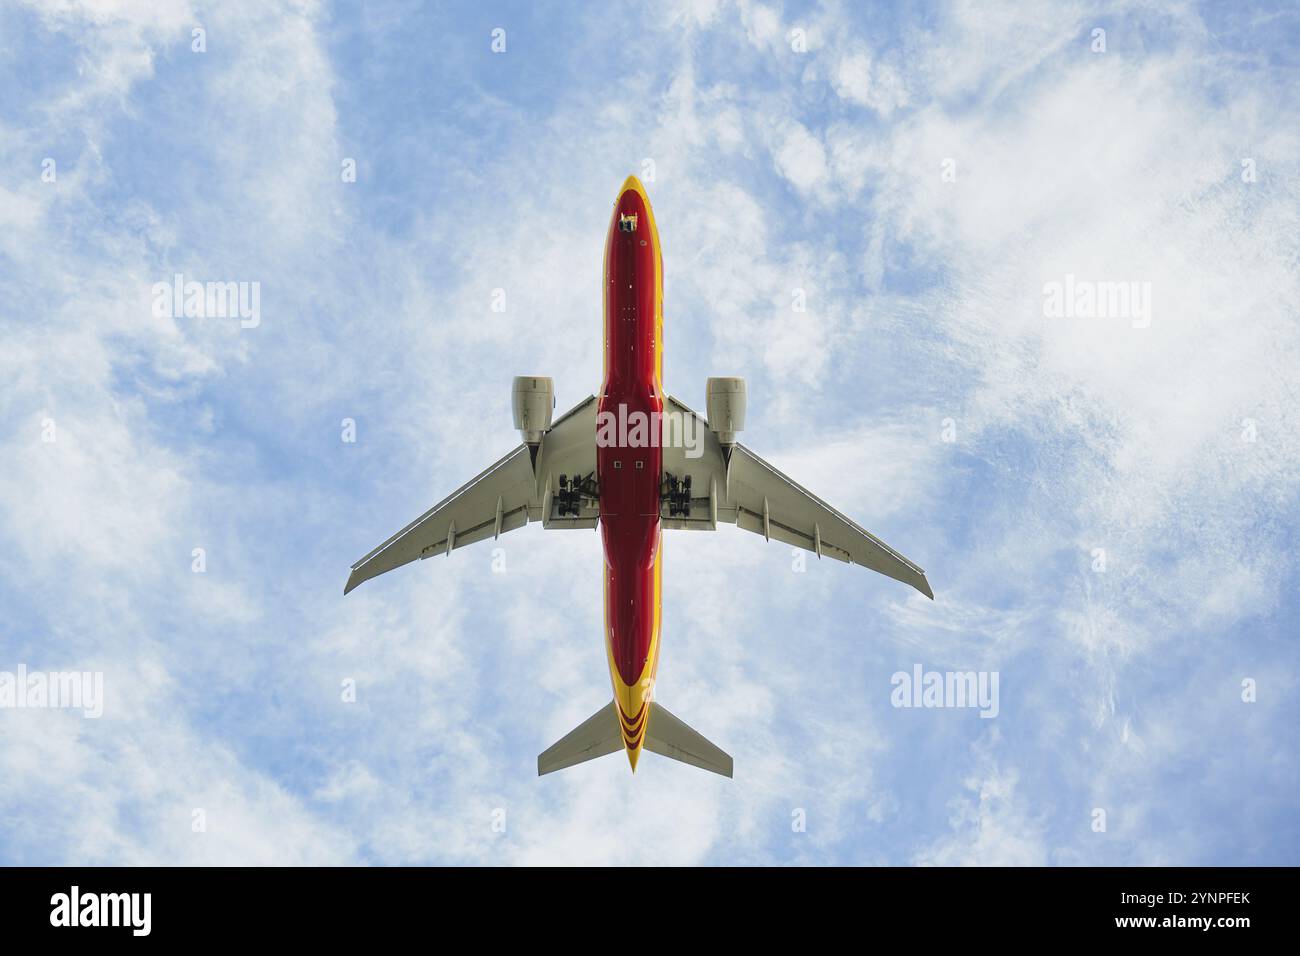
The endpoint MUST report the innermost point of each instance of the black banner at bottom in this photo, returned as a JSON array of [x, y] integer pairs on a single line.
[[336, 906]]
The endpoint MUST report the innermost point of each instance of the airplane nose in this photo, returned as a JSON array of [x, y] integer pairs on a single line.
[[633, 184]]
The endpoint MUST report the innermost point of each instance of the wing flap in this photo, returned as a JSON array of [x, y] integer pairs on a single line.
[[778, 531]]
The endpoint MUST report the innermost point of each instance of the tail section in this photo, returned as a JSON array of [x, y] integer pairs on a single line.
[[603, 733], [669, 737]]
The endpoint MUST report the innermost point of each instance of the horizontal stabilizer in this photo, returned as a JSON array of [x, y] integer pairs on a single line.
[[598, 735], [669, 737]]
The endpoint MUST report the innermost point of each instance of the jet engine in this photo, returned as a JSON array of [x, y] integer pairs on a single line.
[[726, 408], [533, 399]]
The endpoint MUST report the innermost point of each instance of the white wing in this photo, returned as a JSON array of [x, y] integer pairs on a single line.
[[755, 496], [504, 497]]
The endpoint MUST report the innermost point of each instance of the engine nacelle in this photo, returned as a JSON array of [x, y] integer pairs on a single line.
[[726, 408], [533, 399]]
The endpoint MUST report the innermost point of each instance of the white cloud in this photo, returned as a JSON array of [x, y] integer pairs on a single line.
[[992, 826], [878, 86], [801, 158]]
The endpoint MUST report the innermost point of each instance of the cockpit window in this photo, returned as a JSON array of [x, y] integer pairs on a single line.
[[627, 223]]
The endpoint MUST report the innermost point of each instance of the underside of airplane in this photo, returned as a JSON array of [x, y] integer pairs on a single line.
[[633, 463]]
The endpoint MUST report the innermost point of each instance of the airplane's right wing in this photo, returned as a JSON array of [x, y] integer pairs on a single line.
[[770, 504], [504, 497], [752, 494]]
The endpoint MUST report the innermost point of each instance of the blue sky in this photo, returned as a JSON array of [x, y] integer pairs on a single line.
[[771, 169]]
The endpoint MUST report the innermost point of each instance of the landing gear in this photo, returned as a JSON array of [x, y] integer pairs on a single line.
[[566, 502], [678, 495], [569, 500]]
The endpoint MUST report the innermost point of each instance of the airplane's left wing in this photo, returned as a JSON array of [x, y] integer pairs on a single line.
[[504, 497]]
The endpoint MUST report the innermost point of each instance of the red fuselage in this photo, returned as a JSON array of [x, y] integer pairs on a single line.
[[629, 468]]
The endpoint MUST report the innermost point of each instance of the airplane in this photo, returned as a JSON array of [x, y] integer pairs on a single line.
[[634, 462]]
